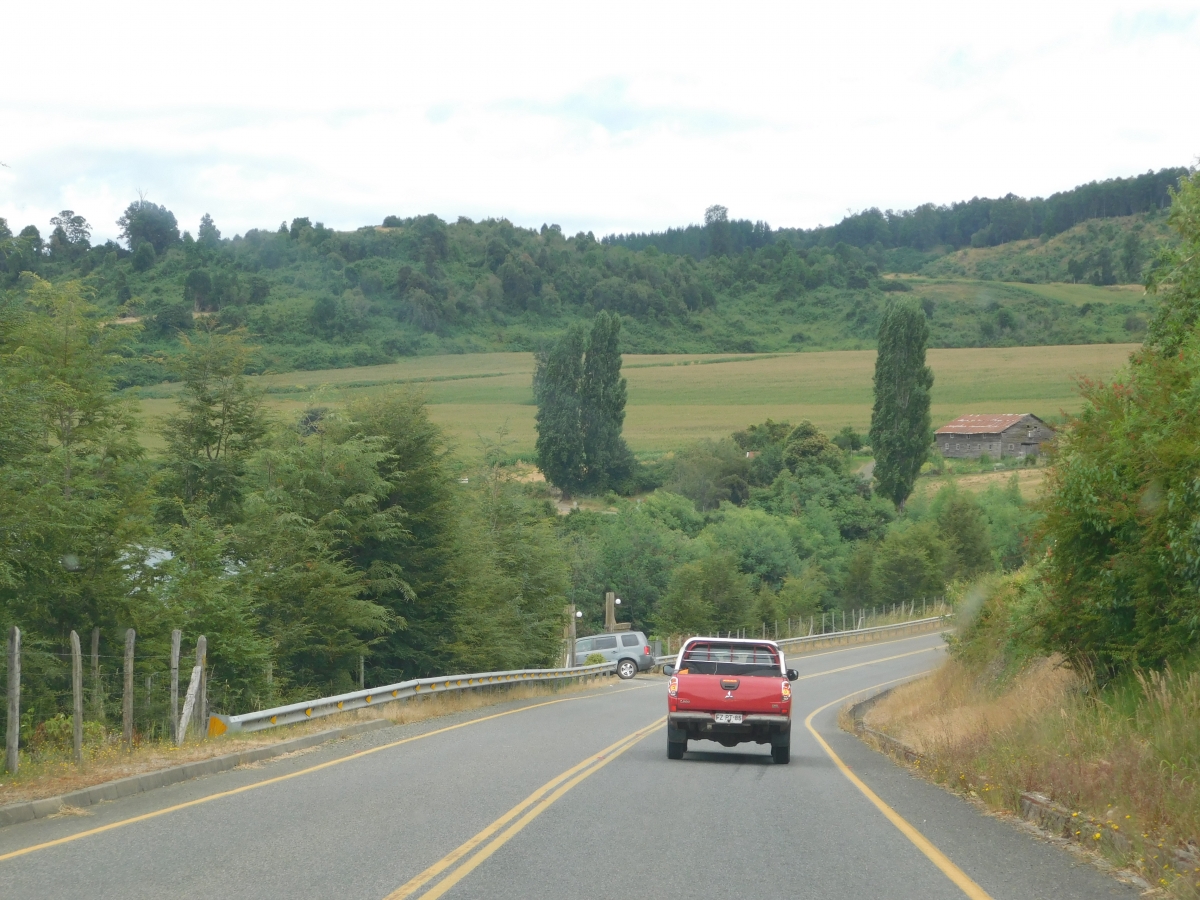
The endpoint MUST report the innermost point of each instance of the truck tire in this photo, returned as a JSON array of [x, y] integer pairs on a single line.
[[781, 753], [626, 669], [676, 749]]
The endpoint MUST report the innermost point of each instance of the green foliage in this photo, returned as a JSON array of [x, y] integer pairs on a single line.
[[581, 410], [706, 595], [1175, 276], [594, 659], [602, 394], [849, 440], [710, 473], [220, 422], [148, 224], [806, 448], [560, 450], [900, 423], [1123, 505]]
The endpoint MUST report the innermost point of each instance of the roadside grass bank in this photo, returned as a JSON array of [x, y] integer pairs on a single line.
[[50, 772], [999, 719]]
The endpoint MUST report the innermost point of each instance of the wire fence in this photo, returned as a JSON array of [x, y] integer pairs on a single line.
[[829, 622], [136, 709]]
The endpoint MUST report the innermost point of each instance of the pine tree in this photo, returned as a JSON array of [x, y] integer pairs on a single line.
[[560, 438], [602, 405], [900, 426]]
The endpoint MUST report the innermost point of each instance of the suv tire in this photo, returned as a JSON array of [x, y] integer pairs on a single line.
[[626, 669], [676, 749]]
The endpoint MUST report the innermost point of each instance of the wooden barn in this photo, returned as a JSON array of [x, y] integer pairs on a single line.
[[1010, 434]]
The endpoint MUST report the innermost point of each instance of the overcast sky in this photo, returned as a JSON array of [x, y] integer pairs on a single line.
[[603, 117]]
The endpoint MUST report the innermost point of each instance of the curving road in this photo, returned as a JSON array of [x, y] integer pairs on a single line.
[[571, 798]]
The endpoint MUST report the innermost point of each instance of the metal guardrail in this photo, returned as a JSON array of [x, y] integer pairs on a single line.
[[328, 706], [847, 636]]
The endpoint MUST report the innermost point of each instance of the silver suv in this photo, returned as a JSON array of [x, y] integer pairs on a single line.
[[628, 649]]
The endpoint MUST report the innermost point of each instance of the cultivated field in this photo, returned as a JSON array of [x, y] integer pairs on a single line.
[[674, 400]]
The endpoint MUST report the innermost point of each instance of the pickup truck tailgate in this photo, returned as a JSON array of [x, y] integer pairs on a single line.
[[726, 693]]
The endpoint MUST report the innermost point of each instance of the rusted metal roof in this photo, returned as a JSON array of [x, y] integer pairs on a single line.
[[984, 424]]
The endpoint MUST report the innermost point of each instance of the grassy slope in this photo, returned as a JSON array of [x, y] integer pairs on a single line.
[[1046, 260], [674, 400]]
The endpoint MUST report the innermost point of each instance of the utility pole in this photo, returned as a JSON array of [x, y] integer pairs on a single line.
[[610, 612]]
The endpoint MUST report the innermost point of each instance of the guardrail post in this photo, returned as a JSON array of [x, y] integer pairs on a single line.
[[12, 744], [77, 698]]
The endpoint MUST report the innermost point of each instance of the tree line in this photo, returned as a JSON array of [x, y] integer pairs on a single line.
[[978, 222], [298, 546]]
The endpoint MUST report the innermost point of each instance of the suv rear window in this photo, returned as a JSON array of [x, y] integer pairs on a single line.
[[719, 658], [630, 640]]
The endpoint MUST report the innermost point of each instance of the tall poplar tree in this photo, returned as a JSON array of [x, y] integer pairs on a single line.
[[602, 405], [901, 431], [560, 438]]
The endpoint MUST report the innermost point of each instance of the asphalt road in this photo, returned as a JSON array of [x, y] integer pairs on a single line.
[[568, 799]]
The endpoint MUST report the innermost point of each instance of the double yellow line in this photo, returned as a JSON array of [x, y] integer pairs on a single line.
[[290, 775], [524, 813]]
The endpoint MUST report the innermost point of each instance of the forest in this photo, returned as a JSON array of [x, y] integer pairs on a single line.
[[314, 298]]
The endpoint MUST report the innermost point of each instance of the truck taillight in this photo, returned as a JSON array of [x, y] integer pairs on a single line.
[[787, 690], [673, 686]]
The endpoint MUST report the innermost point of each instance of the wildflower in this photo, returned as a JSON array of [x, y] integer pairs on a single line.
[[1096, 836]]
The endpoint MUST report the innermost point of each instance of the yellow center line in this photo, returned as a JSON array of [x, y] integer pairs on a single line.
[[279, 778], [922, 843], [540, 803]]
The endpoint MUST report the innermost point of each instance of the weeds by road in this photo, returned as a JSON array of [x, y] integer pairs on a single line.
[[993, 724]]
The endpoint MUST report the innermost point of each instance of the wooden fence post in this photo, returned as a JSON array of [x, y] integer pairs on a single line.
[[12, 758], [97, 694], [127, 696], [77, 696], [189, 703], [202, 689], [176, 637]]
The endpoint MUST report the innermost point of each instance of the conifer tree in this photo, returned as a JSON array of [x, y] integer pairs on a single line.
[[900, 425], [602, 405], [560, 440]]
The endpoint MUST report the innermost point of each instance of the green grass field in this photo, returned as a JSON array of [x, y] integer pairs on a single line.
[[674, 400]]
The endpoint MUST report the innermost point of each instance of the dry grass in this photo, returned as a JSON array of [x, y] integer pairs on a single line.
[[53, 773], [1128, 756], [941, 715], [1029, 482]]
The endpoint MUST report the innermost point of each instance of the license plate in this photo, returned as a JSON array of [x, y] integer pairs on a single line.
[[728, 718]]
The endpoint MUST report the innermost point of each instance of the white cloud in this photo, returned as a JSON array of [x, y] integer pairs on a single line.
[[625, 116]]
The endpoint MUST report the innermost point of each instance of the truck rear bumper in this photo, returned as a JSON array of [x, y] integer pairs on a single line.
[[686, 719]]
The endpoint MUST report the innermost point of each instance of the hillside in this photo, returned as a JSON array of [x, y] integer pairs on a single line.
[[1098, 251], [314, 298]]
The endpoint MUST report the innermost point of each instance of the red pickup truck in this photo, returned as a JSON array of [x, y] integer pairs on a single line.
[[729, 691]]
